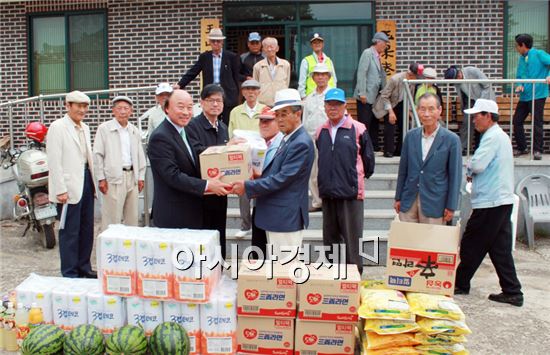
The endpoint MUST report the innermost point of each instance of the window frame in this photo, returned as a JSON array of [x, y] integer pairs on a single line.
[[65, 15]]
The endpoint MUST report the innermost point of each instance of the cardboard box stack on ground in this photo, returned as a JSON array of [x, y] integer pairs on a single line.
[[234, 162], [266, 310], [328, 303]]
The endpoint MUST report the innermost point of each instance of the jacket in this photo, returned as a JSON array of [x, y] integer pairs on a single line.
[[392, 94], [344, 165], [269, 85], [371, 78]]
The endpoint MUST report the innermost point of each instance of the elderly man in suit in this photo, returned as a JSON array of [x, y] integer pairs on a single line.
[[71, 185], [282, 191], [179, 189], [218, 66], [430, 169], [119, 165], [371, 78]]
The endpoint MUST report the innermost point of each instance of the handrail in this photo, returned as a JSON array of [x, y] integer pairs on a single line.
[[409, 101]]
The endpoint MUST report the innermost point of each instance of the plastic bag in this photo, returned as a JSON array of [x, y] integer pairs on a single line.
[[383, 304], [434, 306], [439, 339], [377, 342], [390, 326], [406, 350], [455, 349], [438, 326], [374, 284]]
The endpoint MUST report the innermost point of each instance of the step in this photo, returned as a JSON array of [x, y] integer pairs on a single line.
[[313, 238], [382, 181], [386, 165]]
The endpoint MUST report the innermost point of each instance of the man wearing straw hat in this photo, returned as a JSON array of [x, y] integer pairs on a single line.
[[218, 66]]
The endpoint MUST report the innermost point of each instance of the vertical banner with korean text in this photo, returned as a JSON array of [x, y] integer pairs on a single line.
[[388, 57], [206, 25]]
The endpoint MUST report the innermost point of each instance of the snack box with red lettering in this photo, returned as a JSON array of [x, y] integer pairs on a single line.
[[263, 293], [330, 295], [322, 338], [422, 257], [233, 162], [265, 335]]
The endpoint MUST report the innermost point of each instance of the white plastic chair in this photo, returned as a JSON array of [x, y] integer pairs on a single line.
[[534, 192]]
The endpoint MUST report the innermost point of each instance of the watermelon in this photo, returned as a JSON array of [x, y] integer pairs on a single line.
[[46, 339], [169, 338], [85, 339], [128, 340]]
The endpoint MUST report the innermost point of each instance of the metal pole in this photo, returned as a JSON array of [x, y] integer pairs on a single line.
[[41, 102], [511, 111], [447, 107], [467, 117], [405, 116], [532, 121], [10, 117], [60, 107]]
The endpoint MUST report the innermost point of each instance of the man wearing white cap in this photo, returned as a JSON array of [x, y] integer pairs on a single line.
[[71, 185], [155, 115], [119, 165], [281, 191], [218, 66], [313, 118], [489, 229], [306, 84]]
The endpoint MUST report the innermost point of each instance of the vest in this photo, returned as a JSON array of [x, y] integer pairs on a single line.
[[311, 62]]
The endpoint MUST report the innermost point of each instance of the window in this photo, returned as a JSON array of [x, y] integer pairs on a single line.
[[525, 17], [68, 52]]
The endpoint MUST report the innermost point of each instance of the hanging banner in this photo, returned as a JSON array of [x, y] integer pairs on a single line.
[[388, 57]]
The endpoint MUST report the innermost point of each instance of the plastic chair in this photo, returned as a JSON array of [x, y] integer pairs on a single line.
[[534, 192]]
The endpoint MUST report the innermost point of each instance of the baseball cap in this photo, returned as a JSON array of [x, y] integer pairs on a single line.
[[163, 87], [266, 114], [335, 94], [430, 73], [483, 105], [320, 68], [315, 36], [254, 36]]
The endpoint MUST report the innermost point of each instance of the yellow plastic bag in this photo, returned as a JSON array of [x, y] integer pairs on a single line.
[[374, 284], [455, 349], [406, 350], [384, 304], [377, 342], [434, 306], [439, 339], [390, 326], [445, 326]]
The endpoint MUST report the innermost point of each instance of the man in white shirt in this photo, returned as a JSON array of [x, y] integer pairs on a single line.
[[120, 165], [155, 115]]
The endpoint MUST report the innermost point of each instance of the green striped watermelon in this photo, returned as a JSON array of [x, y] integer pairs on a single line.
[[169, 338], [85, 339], [128, 340], [46, 339]]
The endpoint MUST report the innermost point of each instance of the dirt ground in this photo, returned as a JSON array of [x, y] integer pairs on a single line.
[[497, 328]]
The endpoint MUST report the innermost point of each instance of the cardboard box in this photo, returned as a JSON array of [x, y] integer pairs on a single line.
[[327, 296], [233, 161], [322, 338], [260, 296], [422, 257], [265, 335]]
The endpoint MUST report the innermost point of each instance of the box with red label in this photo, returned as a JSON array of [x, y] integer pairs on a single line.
[[330, 294], [266, 292], [422, 257], [265, 335], [232, 161], [322, 338]]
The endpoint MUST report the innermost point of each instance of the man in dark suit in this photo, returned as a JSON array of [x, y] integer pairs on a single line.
[[282, 191], [220, 67], [430, 169], [205, 131], [179, 189]]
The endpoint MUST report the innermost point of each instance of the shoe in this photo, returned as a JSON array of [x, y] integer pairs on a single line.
[[243, 233], [89, 275], [514, 300], [518, 152], [315, 209], [388, 155], [537, 156], [461, 291]]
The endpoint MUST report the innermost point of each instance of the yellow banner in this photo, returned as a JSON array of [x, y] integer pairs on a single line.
[[388, 58], [206, 25]]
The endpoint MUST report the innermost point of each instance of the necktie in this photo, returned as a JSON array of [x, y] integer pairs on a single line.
[[184, 137]]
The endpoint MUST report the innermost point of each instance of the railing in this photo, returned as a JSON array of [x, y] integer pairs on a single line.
[[408, 101]]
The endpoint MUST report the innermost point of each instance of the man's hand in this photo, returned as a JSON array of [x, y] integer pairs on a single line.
[[103, 186], [448, 215], [392, 117], [236, 140], [397, 206], [141, 184], [519, 88], [217, 187], [175, 86], [238, 188], [363, 99], [63, 198]]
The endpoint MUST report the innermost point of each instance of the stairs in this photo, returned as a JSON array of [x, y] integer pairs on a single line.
[[378, 213]]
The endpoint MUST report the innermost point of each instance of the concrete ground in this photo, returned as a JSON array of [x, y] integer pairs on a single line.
[[497, 328]]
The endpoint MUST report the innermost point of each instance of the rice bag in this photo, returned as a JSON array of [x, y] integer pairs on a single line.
[[384, 304], [434, 306], [405, 350], [377, 342], [390, 326], [445, 326], [439, 339], [455, 349]]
